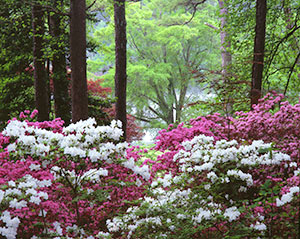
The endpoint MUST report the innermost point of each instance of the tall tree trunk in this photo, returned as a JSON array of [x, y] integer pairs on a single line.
[[40, 76], [225, 54], [259, 48], [61, 82], [78, 60], [120, 75]]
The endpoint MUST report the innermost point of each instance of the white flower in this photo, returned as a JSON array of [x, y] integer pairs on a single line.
[[202, 214], [34, 199], [243, 176], [259, 226], [181, 216], [2, 194], [94, 155], [11, 147], [288, 197], [10, 231], [27, 140], [58, 228], [11, 183], [17, 205], [232, 213], [34, 167]]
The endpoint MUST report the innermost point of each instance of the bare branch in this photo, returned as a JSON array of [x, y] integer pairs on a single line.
[[211, 26], [291, 72], [194, 5], [91, 5]]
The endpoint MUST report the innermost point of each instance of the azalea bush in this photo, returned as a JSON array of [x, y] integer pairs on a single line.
[[266, 207], [60, 181], [220, 190], [212, 177]]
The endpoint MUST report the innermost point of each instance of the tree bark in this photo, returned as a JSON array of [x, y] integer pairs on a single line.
[[225, 43], [40, 76], [120, 63], [78, 60], [225, 54], [61, 82], [259, 48]]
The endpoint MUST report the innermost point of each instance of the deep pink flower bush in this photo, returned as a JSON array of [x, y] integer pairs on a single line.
[[281, 126], [65, 181]]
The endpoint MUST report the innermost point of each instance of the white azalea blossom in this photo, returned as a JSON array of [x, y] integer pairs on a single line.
[[12, 224], [286, 198], [232, 213]]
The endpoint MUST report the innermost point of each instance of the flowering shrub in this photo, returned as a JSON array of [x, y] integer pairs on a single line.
[[64, 181], [79, 182], [221, 190]]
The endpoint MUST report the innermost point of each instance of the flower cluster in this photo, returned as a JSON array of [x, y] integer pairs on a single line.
[[64, 181], [216, 192]]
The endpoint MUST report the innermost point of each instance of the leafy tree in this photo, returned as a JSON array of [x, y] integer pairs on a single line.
[[280, 67], [162, 52], [16, 84]]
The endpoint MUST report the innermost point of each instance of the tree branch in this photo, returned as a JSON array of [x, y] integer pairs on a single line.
[[277, 46], [291, 72], [91, 5]]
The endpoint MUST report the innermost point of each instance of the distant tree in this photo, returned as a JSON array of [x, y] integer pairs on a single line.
[[40, 77], [259, 50], [78, 60], [120, 62], [162, 53]]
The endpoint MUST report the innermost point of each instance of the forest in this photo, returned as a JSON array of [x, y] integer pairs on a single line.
[[149, 119]]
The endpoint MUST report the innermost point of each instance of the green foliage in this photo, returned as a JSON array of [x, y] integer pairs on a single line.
[[97, 106], [162, 52], [281, 47]]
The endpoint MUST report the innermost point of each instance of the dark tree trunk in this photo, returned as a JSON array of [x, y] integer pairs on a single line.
[[259, 48], [120, 75], [78, 60], [61, 82], [40, 76]]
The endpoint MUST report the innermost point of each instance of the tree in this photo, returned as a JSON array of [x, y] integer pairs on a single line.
[[41, 94], [259, 48], [162, 53], [225, 52], [16, 84], [62, 104], [279, 69], [120, 62], [78, 60]]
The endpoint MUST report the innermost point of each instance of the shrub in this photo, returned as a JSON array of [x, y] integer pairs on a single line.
[[220, 190], [64, 181]]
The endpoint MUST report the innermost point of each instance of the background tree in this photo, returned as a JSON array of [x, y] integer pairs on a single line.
[[279, 56], [259, 50], [120, 62], [16, 83], [78, 60], [62, 101], [162, 53], [40, 77]]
